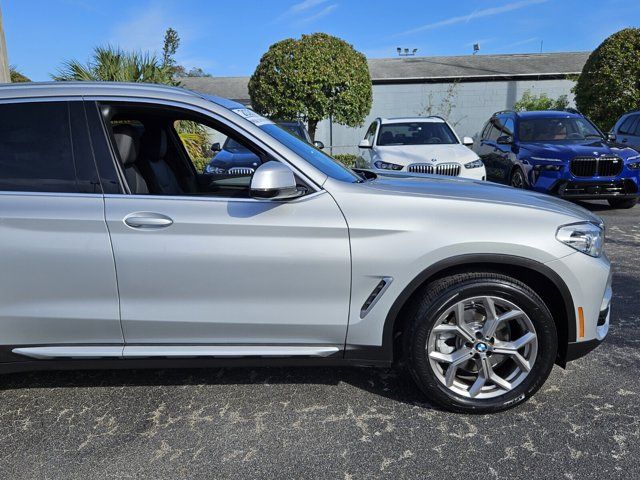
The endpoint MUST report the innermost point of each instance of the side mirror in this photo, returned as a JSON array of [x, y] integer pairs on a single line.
[[274, 181], [611, 137], [467, 141], [364, 144], [505, 140], [216, 147], [318, 144]]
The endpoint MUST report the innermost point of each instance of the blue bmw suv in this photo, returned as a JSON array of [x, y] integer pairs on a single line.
[[561, 153]]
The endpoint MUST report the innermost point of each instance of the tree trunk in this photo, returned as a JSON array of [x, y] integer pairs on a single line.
[[5, 76], [313, 125]]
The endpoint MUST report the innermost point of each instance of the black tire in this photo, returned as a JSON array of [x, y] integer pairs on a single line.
[[518, 179], [622, 202], [436, 298]]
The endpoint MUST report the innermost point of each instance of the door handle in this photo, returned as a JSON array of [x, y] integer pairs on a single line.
[[148, 220], [624, 140]]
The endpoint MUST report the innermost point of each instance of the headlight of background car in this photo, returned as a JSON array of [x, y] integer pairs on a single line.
[[475, 164], [634, 163], [215, 170], [585, 237], [387, 166]]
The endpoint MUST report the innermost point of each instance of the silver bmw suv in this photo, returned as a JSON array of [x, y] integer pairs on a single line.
[[118, 250]]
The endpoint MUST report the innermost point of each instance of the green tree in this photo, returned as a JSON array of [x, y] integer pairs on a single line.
[[16, 76], [529, 102], [312, 78], [112, 64], [609, 84]]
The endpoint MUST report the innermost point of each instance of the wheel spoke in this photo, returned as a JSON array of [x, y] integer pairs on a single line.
[[474, 389], [489, 374], [465, 330], [455, 358], [492, 323]]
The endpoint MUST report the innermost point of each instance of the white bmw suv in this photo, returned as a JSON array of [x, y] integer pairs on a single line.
[[426, 145]]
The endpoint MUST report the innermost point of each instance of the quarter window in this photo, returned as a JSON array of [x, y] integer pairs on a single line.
[[38, 152], [627, 127]]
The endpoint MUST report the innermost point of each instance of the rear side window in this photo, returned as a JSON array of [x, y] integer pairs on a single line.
[[628, 125], [38, 152]]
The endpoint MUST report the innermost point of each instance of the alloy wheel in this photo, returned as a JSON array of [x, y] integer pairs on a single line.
[[482, 347]]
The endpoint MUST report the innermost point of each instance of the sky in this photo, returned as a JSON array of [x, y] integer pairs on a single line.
[[227, 38]]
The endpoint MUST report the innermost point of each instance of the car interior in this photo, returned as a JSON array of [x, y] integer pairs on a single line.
[[154, 160]]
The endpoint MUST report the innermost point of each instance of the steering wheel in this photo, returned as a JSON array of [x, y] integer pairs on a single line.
[[434, 140], [574, 136]]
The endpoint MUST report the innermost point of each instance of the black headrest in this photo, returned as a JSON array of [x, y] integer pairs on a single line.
[[127, 143], [154, 144]]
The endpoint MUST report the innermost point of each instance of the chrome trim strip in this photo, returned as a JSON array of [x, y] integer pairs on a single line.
[[177, 351], [226, 351], [47, 353]]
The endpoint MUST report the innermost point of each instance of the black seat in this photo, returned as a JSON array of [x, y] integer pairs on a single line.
[[386, 138], [128, 144], [154, 152]]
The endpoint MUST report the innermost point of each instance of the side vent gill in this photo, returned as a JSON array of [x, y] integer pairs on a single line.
[[375, 295]]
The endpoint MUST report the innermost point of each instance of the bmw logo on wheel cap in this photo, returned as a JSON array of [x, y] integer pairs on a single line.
[[482, 347]]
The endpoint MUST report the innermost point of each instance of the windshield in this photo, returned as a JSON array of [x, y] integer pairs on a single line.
[[315, 157], [553, 129], [415, 133]]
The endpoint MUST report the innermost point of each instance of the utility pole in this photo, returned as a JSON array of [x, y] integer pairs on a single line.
[[5, 75]]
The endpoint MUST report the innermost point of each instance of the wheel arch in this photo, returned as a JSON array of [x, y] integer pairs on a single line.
[[542, 279]]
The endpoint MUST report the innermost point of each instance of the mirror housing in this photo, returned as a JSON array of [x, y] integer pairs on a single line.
[[216, 147], [274, 181], [505, 140], [467, 141], [364, 144], [318, 144]]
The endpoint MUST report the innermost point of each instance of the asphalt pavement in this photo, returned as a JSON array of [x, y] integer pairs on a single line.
[[345, 423]]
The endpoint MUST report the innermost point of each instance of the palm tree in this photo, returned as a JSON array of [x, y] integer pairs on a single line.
[[112, 64]]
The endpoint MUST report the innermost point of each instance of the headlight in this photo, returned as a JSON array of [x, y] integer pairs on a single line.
[[387, 166], [635, 164], [475, 164], [585, 237], [215, 170]]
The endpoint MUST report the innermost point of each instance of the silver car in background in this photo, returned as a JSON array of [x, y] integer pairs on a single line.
[[118, 252]]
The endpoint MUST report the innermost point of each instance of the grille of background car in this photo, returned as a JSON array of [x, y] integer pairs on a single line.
[[449, 169], [596, 167], [241, 171]]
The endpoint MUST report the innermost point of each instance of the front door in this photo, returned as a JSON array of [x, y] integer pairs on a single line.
[[213, 266]]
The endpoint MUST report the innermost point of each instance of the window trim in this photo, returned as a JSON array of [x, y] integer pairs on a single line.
[[196, 110]]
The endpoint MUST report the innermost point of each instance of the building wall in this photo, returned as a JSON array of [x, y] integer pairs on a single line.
[[472, 104]]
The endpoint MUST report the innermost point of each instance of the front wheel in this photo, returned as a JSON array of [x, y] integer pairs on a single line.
[[623, 202], [517, 179], [479, 342]]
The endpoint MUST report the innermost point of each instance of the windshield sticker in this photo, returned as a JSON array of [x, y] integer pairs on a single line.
[[252, 116]]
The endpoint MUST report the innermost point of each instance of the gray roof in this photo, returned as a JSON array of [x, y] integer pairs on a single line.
[[428, 69]]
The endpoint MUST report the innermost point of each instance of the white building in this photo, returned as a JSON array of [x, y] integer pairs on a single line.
[[466, 90]]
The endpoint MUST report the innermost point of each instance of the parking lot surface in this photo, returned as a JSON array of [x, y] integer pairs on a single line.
[[346, 423]]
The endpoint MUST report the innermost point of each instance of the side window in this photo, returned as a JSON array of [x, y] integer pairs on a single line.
[[508, 127], [485, 131], [636, 130], [371, 133], [627, 126], [496, 127], [170, 151], [44, 147]]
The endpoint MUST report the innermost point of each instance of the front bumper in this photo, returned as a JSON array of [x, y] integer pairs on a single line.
[[589, 282], [563, 184]]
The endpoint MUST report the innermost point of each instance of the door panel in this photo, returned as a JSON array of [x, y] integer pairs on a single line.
[[58, 280], [231, 271]]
